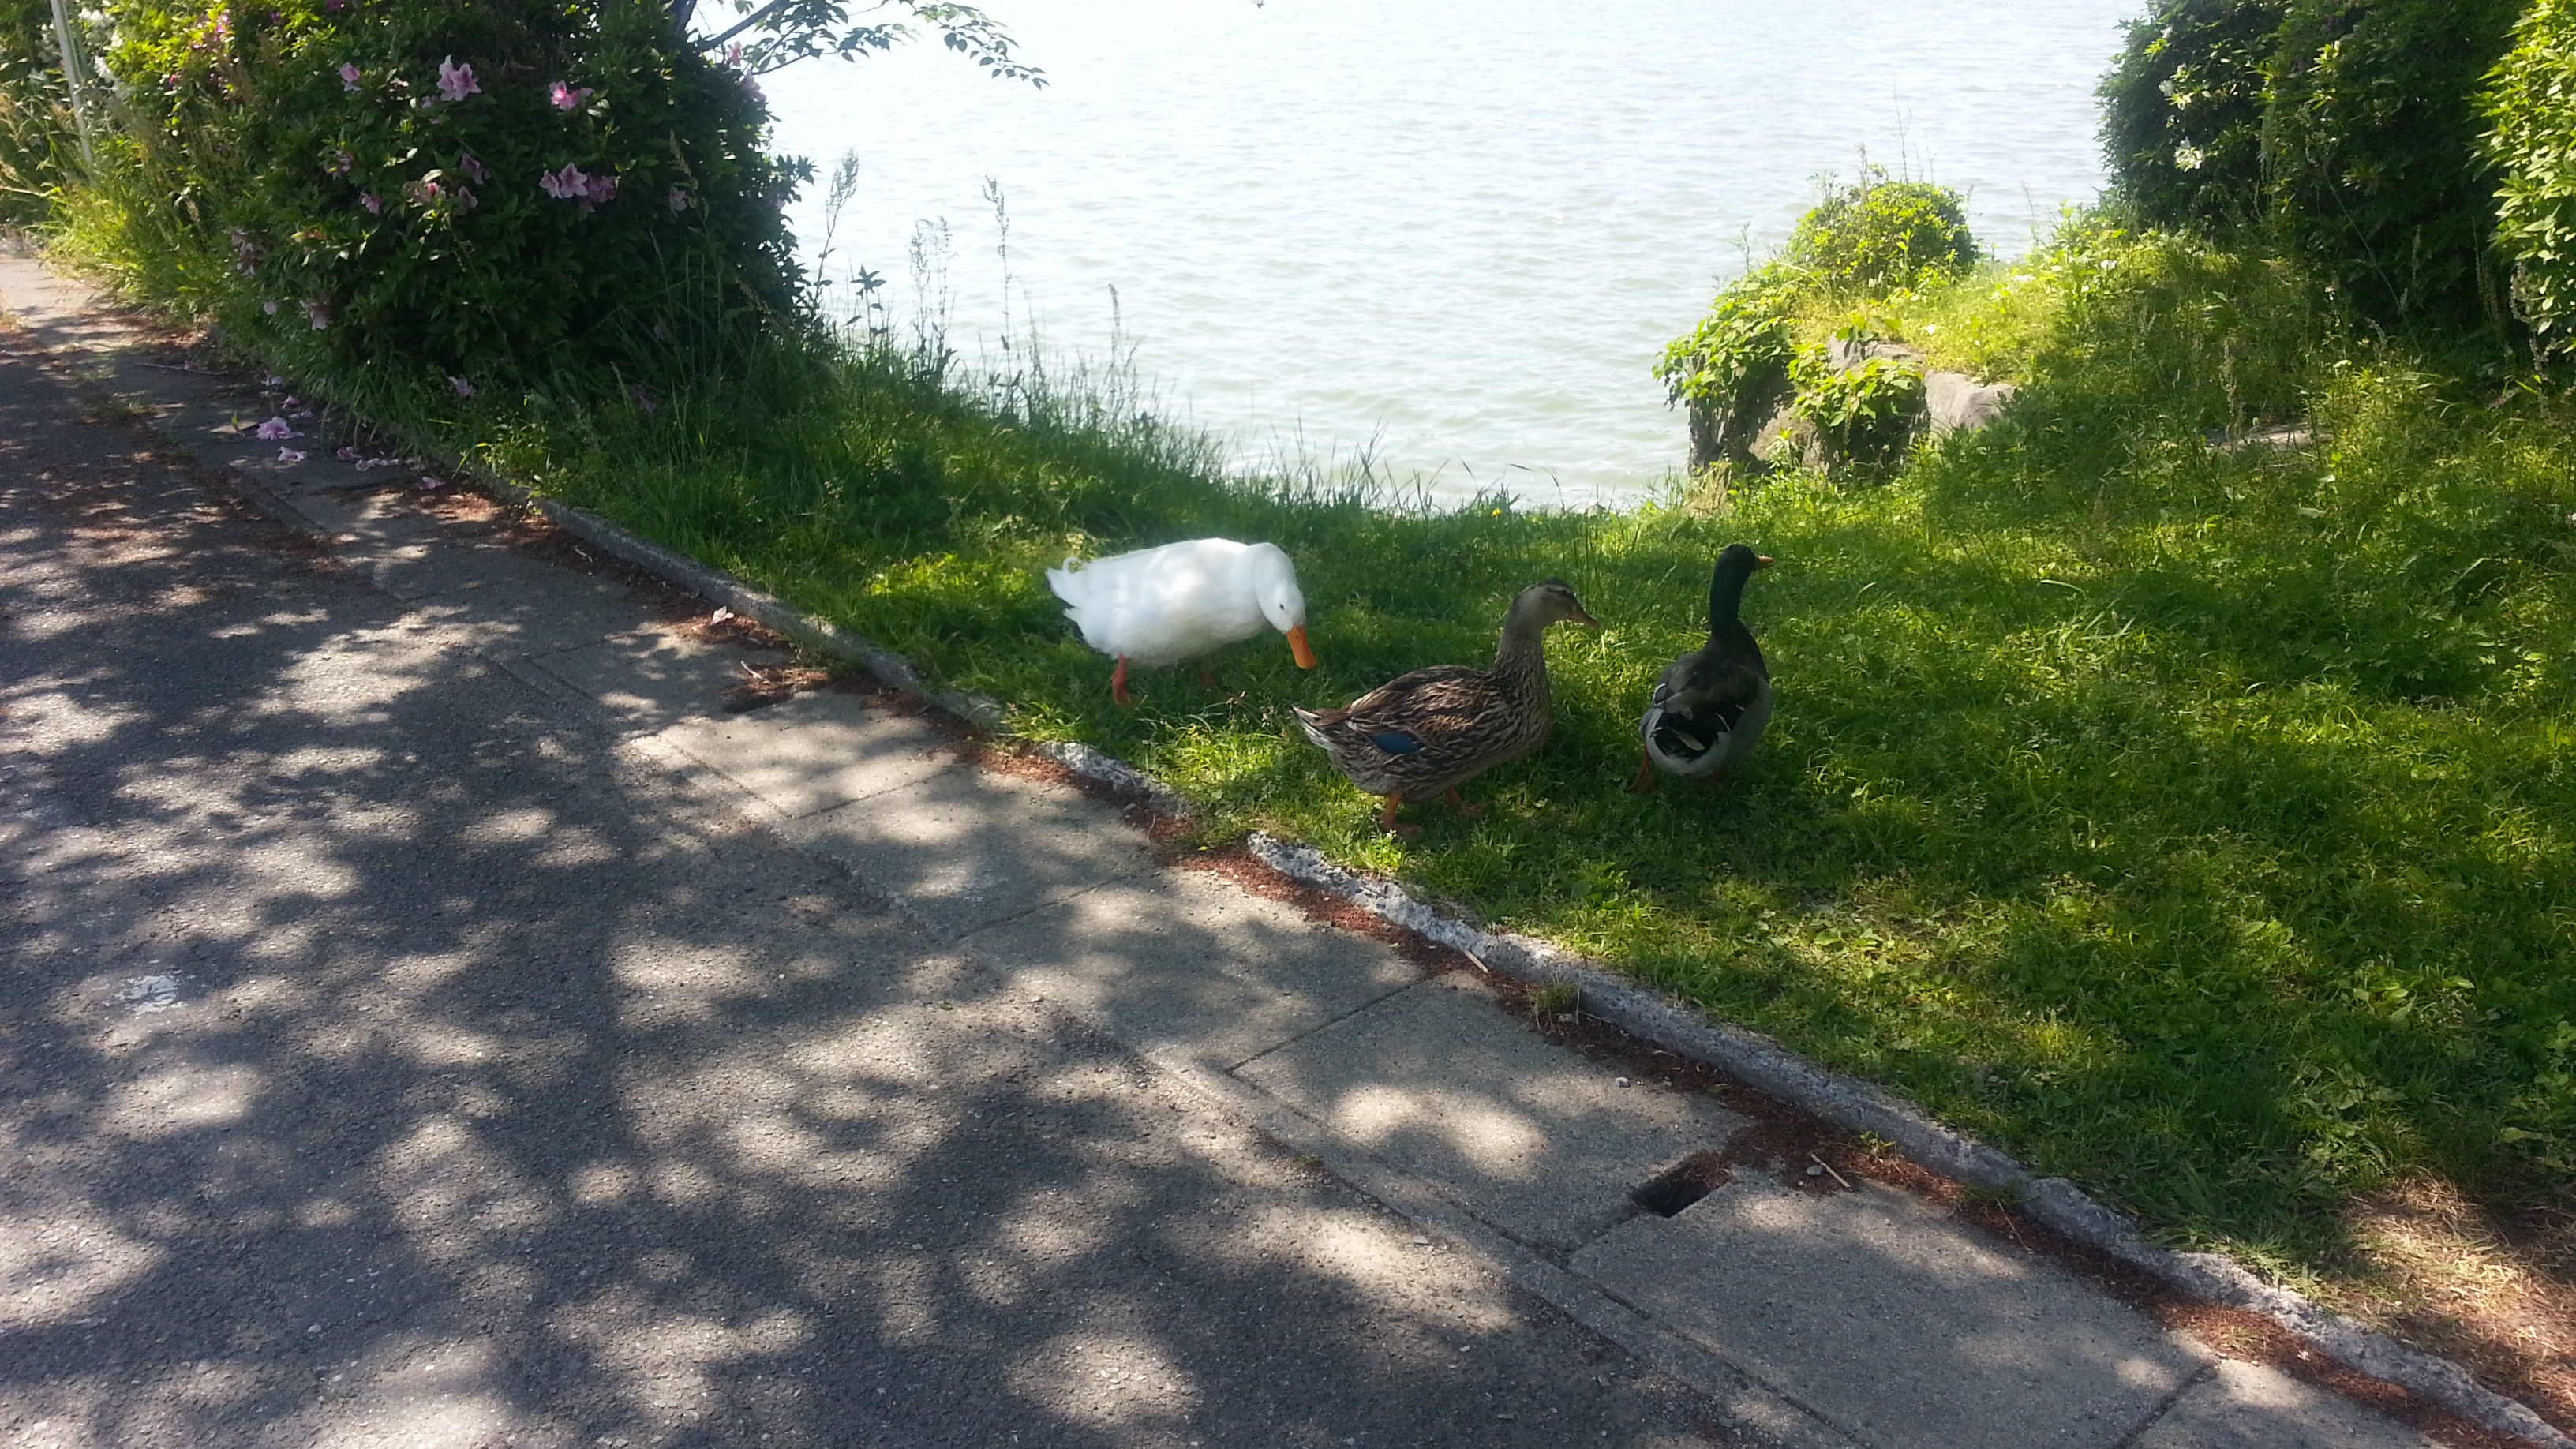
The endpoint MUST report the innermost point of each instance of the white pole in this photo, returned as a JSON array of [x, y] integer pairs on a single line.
[[72, 78]]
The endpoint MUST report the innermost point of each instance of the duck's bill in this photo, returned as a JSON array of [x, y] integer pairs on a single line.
[[1762, 560], [1297, 646], [1584, 619]]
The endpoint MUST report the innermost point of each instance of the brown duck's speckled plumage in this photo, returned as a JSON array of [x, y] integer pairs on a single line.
[[1463, 721]]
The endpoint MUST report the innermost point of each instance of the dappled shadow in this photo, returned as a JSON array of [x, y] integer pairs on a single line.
[[387, 1061]]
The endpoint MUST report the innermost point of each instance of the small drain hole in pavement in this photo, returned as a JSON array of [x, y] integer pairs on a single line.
[[1693, 1178]]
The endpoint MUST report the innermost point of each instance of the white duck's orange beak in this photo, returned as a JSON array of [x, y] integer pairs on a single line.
[[1297, 646]]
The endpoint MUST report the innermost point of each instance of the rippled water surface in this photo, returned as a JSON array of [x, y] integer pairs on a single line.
[[1452, 236]]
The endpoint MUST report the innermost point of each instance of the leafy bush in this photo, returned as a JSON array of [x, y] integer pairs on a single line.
[[1876, 235], [2531, 100], [36, 126], [474, 191], [2183, 109], [1745, 335], [2374, 161], [2342, 130], [1864, 413]]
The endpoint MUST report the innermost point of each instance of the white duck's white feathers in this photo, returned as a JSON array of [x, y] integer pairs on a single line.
[[1180, 601]]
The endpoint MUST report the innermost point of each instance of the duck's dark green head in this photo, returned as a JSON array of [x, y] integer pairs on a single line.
[[1726, 585]]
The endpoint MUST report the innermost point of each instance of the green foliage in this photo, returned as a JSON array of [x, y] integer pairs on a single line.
[[1876, 235], [2374, 161], [2531, 102], [38, 141], [2345, 130], [2183, 110], [1864, 413], [1746, 335], [515, 193]]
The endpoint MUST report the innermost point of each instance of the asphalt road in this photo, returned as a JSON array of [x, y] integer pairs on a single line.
[[385, 1058]]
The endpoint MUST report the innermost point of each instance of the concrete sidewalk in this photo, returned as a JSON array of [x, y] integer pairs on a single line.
[[1806, 1310]]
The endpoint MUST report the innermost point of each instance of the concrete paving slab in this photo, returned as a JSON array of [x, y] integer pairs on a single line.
[[806, 755], [650, 679], [2248, 1406], [1540, 1142], [966, 848], [1182, 966], [1904, 1328]]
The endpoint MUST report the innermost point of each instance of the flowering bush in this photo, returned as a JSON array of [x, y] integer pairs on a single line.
[[454, 190]]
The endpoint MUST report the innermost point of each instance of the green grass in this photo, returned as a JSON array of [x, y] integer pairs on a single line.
[[2194, 823]]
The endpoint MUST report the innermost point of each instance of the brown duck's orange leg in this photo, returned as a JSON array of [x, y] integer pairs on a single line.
[[1471, 811], [1395, 827], [1118, 683], [1644, 784], [1208, 678]]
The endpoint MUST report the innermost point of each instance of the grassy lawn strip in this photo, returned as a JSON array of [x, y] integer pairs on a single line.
[[2195, 822]]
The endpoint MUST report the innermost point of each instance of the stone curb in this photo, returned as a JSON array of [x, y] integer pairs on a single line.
[[1849, 1102], [1647, 1014]]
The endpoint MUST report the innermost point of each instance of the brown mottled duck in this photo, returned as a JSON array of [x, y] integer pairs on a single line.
[[1430, 731]]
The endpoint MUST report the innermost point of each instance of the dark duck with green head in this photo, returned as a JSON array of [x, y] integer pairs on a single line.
[[1430, 731], [1711, 704]]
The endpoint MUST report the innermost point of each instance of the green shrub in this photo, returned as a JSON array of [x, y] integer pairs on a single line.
[[1746, 335], [487, 192], [37, 136], [2531, 101], [1877, 235], [1863, 413], [2183, 109], [2345, 131]]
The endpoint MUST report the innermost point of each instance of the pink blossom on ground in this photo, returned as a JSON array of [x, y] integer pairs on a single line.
[[274, 429], [463, 388], [348, 76], [456, 82], [289, 455], [566, 97], [347, 455], [427, 481]]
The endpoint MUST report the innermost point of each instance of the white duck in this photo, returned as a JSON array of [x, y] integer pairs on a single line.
[[1179, 602]]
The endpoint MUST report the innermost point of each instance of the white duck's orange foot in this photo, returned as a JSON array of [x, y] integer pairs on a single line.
[[1118, 683]]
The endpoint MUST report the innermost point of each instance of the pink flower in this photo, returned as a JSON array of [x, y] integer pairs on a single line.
[[463, 388], [348, 76], [566, 98], [317, 312], [427, 481], [368, 200], [676, 199], [245, 252], [347, 455], [456, 82], [340, 164], [269, 306], [289, 455], [601, 188], [565, 185], [473, 168], [733, 54], [274, 429], [464, 199]]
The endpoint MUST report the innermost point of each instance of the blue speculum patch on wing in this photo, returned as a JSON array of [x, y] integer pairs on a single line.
[[1396, 742]]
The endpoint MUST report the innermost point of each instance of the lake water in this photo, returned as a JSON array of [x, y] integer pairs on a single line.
[[1448, 235]]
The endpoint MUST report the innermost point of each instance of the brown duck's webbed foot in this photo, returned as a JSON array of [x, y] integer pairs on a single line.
[[1644, 784], [1470, 811], [1395, 827], [1118, 683]]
